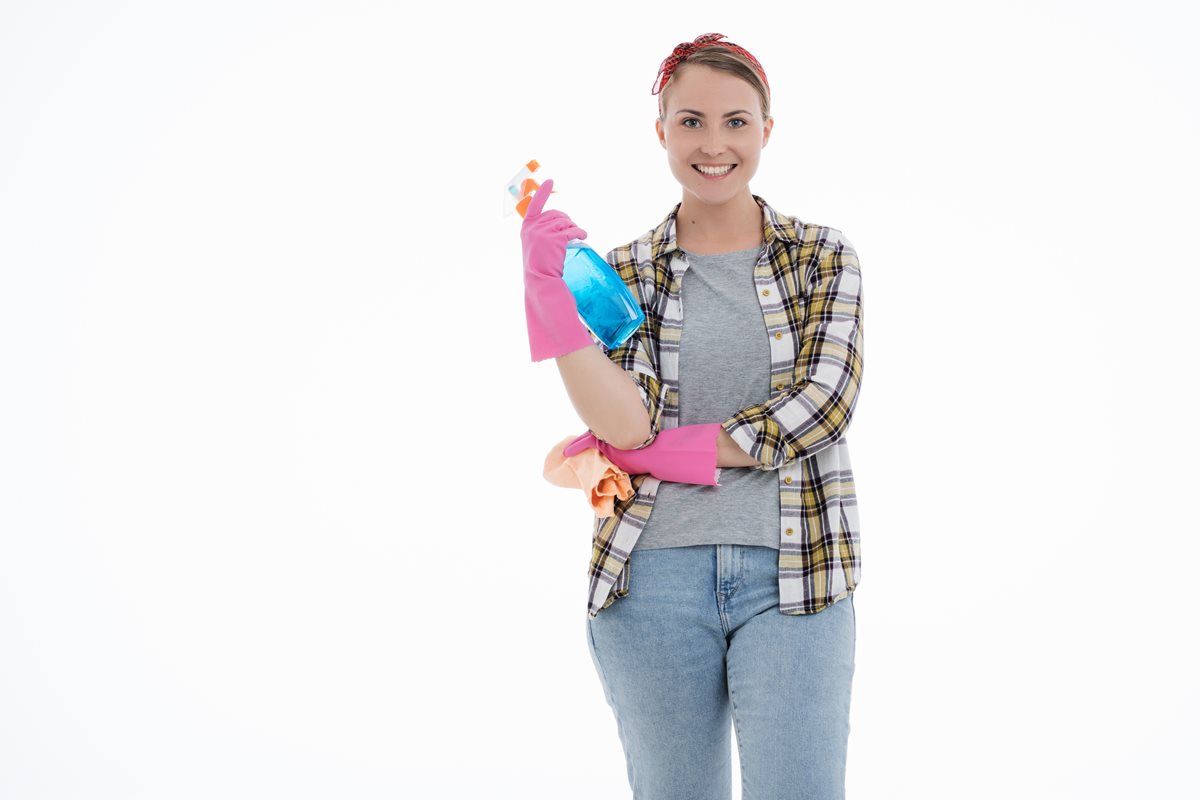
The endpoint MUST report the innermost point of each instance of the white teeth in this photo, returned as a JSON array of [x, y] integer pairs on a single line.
[[714, 170]]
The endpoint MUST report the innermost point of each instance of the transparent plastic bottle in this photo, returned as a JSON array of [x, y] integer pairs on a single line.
[[602, 299]]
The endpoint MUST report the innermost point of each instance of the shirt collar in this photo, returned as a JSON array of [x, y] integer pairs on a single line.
[[778, 230]]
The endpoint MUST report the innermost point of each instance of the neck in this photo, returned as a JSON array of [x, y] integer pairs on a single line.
[[738, 219]]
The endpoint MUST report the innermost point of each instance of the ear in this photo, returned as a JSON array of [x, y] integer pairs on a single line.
[[658, 129], [767, 129]]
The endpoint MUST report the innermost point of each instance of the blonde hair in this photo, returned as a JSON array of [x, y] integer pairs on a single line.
[[725, 60]]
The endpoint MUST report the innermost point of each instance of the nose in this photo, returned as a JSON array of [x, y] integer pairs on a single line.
[[713, 144]]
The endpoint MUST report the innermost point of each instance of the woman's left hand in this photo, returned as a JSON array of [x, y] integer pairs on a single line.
[[687, 454]]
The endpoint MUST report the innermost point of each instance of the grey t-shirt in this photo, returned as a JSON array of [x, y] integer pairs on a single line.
[[724, 366]]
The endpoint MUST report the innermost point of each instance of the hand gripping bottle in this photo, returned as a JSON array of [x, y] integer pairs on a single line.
[[604, 302]]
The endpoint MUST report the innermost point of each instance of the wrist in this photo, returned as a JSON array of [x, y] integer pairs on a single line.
[[730, 453]]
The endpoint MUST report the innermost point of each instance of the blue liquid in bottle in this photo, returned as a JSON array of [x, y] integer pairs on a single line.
[[603, 300]]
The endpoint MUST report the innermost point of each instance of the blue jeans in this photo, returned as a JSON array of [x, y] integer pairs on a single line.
[[700, 638]]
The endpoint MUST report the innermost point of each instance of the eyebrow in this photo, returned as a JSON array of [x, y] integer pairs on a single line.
[[701, 113]]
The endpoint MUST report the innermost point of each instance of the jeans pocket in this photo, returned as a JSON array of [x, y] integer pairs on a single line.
[[591, 639]]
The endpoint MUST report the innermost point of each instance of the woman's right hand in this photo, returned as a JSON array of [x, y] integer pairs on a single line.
[[550, 311], [544, 236]]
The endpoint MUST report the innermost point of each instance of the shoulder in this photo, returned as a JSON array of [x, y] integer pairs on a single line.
[[635, 258], [634, 251], [822, 246], [811, 239], [821, 238]]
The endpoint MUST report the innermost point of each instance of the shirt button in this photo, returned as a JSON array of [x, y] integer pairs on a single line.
[[778, 334], [779, 386], [788, 531], [788, 479], [766, 292]]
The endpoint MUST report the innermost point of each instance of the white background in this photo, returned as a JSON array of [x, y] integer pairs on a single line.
[[272, 518]]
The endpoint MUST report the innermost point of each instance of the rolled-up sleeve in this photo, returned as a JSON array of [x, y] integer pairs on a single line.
[[814, 412]]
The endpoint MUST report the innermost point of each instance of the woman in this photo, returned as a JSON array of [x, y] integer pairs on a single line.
[[735, 607]]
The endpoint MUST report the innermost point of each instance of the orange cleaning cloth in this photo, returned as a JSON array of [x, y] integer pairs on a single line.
[[589, 469]]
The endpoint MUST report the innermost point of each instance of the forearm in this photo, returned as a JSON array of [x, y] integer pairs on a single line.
[[605, 397], [729, 454]]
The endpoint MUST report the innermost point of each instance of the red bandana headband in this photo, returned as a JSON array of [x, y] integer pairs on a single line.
[[685, 49]]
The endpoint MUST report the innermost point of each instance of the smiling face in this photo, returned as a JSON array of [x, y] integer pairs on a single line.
[[712, 118]]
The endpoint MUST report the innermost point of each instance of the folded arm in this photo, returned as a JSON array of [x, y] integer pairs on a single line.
[[605, 398], [816, 409], [617, 392]]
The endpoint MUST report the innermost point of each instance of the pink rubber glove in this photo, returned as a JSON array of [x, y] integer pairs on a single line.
[[550, 311], [687, 454]]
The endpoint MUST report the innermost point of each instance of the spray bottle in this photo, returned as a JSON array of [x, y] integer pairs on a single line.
[[604, 302]]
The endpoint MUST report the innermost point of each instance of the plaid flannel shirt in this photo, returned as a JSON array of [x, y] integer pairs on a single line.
[[810, 289]]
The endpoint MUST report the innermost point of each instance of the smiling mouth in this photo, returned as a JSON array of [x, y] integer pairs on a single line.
[[732, 167]]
